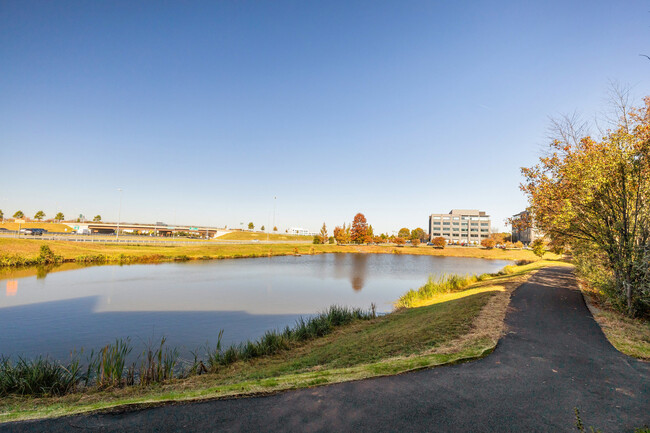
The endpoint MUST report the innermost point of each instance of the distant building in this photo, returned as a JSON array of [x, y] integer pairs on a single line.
[[460, 226], [298, 231], [523, 229]]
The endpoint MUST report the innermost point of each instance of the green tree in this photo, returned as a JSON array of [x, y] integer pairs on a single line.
[[404, 233], [19, 214], [97, 218], [2, 215], [418, 234], [251, 226], [59, 217], [539, 248], [359, 231], [317, 240], [332, 240], [39, 215]]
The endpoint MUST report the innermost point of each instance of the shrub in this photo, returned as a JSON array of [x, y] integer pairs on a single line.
[[439, 242], [488, 243], [519, 245], [415, 242], [399, 241], [539, 248]]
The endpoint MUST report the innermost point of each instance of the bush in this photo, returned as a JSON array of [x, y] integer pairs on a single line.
[[539, 248], [488, 243], [399, 241], [439, 242], [415, 242], [519, 245]]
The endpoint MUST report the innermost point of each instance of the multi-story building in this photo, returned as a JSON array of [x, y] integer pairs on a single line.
[[460, 226], [523, 229]]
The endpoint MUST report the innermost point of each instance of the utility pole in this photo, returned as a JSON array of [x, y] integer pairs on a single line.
[[119, 216]]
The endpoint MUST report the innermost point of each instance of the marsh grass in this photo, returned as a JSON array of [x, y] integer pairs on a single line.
[[38, 377], [274, 341]]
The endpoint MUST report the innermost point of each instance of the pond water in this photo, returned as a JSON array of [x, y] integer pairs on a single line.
[[53, 313]]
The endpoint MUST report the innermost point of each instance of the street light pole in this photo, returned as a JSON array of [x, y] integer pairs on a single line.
[[119, 216]]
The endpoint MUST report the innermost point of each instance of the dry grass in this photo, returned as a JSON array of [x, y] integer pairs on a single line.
[[249, 236], [630, 336], [70, 251]]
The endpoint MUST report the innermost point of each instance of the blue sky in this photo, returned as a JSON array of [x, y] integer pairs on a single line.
[[204, 111]]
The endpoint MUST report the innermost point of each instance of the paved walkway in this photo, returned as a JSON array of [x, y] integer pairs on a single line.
[[553, 359]]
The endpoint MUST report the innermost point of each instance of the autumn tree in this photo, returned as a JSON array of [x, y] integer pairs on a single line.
[[59, 217], [342, 235], [19, 214], [519, 245], [323, 234], [359, 230], [415, 242], [275, 228], [439, 242], [370, 234], [592, 195], [262, 228], [2, 215], [488, 243], [399, 241], [39, 215], [251, 226], [404, 233]]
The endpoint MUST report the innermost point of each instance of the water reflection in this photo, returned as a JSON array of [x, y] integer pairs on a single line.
[[358, 271], [12, 288]]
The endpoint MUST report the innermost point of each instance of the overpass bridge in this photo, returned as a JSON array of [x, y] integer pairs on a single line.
[[153, 229]]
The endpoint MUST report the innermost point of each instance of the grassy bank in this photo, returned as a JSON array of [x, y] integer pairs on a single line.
[[449, 327], [251, 236], [16, 252], [630, 336]]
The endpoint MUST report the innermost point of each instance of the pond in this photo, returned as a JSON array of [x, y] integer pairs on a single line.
[[54, 313]]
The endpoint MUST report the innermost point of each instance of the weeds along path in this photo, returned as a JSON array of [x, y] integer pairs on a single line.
[[554, 358]]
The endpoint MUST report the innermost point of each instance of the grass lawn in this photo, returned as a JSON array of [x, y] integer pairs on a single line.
[[630, 336], [448, 328], [98, 252]]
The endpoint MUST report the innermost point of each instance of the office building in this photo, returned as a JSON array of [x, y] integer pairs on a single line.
[[460, 226]]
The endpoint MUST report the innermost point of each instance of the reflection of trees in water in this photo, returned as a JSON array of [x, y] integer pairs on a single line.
[[42, 271], [358, 271]]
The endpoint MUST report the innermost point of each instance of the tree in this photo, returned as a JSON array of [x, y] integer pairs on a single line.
[[399, 241], [342, 235], [275, 229], [519, 245], [19, 214], [359, 231], [592, 195], [418, 234], [317, 240], [97, 218], [323, 234], [415, 242], [2, 215], [39, 215], [331, 240], [251, 226], [488, 243], [538, 247], [262, 228], [370, 234], [59, 217], [439, 242], [404, 233]]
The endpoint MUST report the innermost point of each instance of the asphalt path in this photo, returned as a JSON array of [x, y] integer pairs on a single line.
[[554, 358]]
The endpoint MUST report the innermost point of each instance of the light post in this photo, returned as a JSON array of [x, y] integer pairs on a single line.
[[119, 216]]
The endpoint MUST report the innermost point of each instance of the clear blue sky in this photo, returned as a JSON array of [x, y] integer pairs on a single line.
[[204, 111]]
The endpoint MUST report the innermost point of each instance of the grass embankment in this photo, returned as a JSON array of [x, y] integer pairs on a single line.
[[446, 328], [630, 336], [15, 252], [258, 236]]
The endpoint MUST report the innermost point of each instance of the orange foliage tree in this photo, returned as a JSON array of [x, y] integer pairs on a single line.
[[359, 231]]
